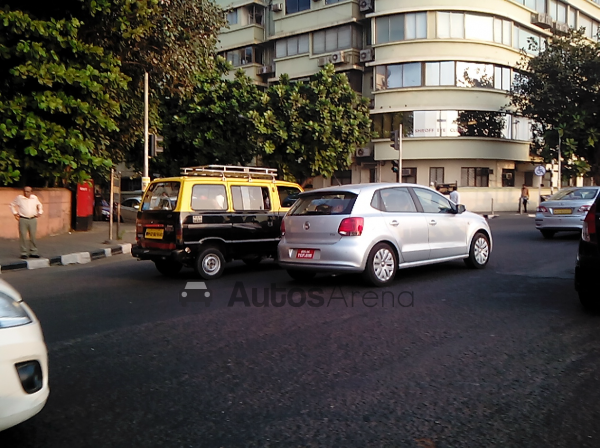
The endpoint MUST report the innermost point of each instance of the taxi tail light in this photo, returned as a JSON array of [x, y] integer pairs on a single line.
[[584, 208], [589, 225], [282, 228], [179, 234], [351, 226], [542, 209]]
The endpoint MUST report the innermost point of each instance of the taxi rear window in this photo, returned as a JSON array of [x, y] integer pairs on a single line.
[[161, 196]]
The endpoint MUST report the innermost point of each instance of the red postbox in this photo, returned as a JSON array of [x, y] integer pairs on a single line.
[[83, 207]]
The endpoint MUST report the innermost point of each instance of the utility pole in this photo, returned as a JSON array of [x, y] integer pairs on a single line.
[[558, 183], [145, 177]]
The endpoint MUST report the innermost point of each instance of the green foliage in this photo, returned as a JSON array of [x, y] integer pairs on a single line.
[[206, 127], [560, 91], [58, 100], [310, 128]]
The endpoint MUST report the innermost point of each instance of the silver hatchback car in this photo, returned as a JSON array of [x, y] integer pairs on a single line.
[[565, 210], [377, 229]]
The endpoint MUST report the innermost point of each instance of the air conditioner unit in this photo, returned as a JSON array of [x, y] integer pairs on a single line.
[[406, 171], [561, 28], [277, 7], [366, 55], [542, 20], [323, 61], [339, 57], [363, 152], [366, 6], [265, 70]]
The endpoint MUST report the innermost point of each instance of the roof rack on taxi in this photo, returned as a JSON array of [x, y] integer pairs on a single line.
[[247, 172]]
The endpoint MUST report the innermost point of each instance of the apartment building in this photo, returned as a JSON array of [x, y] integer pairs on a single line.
[[439, 68]]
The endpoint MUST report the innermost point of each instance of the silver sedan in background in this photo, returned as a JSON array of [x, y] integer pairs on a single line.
[[377, 229], [565, 210]]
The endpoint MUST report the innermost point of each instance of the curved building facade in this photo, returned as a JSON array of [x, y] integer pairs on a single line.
[[442, 69]]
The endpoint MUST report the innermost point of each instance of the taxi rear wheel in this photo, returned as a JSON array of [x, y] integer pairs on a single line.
[[210, 263], [168, 268]]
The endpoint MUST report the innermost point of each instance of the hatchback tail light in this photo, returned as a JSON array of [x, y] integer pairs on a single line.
[[542, 209], [351, 226], [282, 227], [589, 225]]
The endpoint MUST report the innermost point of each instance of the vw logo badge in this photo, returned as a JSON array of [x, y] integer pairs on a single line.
[[306, 225]]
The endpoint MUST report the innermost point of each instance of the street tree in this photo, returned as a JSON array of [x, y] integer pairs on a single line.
[[58, 101], [171, 40], [559, 90], [207, 127], [313, 127]]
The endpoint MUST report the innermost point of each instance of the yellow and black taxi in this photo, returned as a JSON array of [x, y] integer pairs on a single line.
[[210, 215]]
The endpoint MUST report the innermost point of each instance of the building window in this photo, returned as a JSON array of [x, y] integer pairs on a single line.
[[343, 177], [529, 178], [244, 56], [335, 39], [508, 177], [372, 175], [409, 175], [291, 46], [292, 6], [444, 73], [398, 75], [524, 40], [401, 27], [474, 177], [255, 14], [232, 17], [436, 175], [452, 123], [439, 73]]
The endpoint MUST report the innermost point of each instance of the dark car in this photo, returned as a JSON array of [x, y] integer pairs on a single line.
[[587, 269]]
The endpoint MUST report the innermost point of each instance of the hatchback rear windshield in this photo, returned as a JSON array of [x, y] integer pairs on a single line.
[[161, 196], [575, 194], [324, 204]]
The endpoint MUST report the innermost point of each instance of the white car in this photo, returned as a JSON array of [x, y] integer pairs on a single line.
[[23, 360]]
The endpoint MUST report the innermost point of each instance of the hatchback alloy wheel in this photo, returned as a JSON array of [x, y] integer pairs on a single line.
[[479, 254], [381, 265]]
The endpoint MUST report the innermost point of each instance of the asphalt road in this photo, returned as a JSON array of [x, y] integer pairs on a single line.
[[503, 356]]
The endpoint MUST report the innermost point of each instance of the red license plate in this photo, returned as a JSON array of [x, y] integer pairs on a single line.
[[305, 253]]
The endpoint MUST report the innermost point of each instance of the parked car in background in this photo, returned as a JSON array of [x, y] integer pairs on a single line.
[[23, 360], [565, 210], [587, 267], [130, 208], [377, 229]]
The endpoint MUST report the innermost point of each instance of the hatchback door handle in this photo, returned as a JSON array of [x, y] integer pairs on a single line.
[[394, 223], [433, 222]]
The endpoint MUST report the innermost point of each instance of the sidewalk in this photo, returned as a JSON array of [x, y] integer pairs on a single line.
[[76, 247]]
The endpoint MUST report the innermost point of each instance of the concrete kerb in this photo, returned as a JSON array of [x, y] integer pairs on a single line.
[[66, 259]]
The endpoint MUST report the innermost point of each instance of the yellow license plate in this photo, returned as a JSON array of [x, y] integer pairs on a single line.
[[563, 211], [155, 234]]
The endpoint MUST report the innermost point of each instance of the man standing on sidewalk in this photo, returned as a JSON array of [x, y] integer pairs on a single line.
[[26, 208], [524, 198]]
